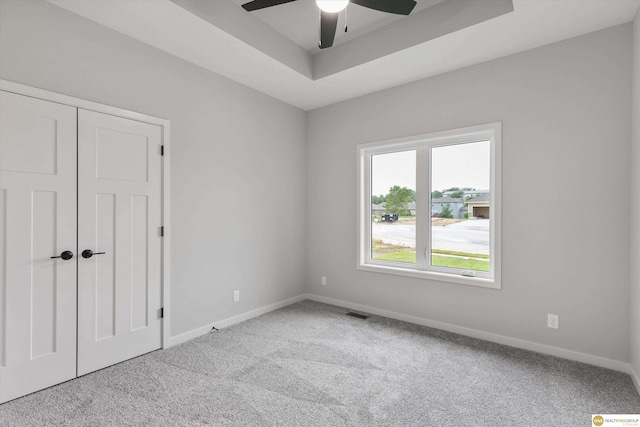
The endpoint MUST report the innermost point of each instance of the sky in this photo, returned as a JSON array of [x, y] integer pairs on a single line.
[[462, 165]]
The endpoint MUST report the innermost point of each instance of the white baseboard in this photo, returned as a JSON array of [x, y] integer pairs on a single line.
[[635, 378], [189, 335], [195, 333], [487, 336], [474, 333], [257, 312]]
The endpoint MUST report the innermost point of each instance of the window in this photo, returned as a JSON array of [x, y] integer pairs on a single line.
[[429, 206]]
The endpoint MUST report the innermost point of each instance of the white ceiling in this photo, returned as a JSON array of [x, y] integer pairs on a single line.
[[276, 58]]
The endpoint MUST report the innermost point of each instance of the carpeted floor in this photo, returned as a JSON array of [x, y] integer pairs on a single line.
[[311, 365]]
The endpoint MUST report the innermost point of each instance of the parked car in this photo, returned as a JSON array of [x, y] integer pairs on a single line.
[[389, 217]]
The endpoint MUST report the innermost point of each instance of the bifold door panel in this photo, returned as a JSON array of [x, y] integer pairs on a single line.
[[80, 250]]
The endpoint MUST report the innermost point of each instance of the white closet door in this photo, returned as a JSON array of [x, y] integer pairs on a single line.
[[37, 221], [119, 199]]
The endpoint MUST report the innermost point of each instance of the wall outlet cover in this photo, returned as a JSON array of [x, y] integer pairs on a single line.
[[553, 321]]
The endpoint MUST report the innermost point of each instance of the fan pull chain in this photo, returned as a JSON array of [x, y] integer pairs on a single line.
[[320, 29], [345, 19]]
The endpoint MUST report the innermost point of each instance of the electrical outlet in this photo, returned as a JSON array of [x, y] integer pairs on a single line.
[[553, 321], [323, 281], [236, 296]]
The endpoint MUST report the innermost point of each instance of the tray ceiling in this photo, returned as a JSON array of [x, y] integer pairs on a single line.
[[298, 21], [266, 51]]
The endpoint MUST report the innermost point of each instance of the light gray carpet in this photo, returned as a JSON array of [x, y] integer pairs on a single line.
[[311, 365]]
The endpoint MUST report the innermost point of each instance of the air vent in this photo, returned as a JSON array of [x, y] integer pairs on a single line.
[[357, 315]]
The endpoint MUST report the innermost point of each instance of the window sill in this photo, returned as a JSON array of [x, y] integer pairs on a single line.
[[431, 275]]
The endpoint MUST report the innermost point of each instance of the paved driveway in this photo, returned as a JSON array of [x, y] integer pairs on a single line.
[[466, 236]]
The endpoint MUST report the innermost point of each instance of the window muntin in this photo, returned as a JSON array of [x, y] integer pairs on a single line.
[[476, 154]]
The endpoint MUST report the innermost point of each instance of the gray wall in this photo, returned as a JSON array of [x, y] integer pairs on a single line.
[[566, 138], [235, 153], [635, 208]]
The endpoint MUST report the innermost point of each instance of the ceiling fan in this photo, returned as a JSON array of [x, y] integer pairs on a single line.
[[329, 10]]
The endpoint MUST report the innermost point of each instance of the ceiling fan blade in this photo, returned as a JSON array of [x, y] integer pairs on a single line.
[[261, 4], [328, 25], [400, 7]]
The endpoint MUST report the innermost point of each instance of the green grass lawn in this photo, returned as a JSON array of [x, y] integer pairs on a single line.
[[463, 263], [398, 253], [467, 254], [388, 252]]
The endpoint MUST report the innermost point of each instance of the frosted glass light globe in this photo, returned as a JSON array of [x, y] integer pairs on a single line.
[[332, 6]]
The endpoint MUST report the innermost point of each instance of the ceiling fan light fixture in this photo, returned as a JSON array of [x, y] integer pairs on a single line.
[[332, 6]]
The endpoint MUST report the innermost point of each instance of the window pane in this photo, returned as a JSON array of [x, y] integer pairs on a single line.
[[461, 206], [393, 206]]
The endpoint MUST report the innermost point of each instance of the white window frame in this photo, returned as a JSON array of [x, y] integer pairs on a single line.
[[423, 144]]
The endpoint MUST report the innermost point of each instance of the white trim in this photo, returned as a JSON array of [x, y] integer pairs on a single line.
[[166, 240], [634, 376], [423, 144], [474, 333], [78, 102], [166, 180], [487, 336], [430, 275], [195, 333], [451, 136], [423, 208], [189, 335], [257, 312]]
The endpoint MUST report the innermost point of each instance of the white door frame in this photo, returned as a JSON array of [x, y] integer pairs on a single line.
[[166, 218]]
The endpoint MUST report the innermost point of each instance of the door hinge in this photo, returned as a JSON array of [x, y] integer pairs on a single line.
[[162, 231], [162, 150], [162, 313]]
